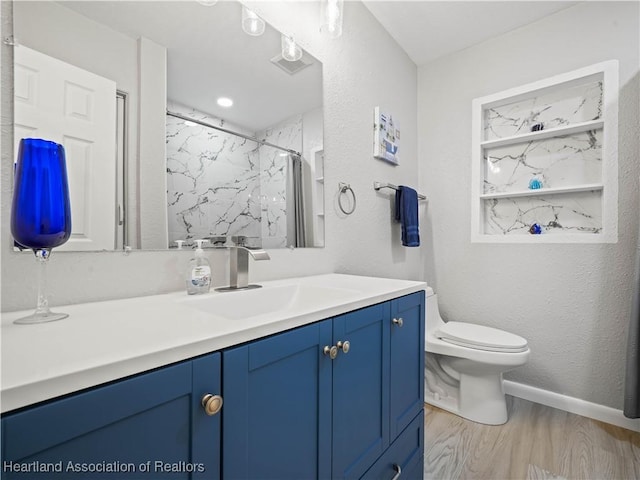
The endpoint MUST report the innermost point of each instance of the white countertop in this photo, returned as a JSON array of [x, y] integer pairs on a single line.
[[104, 341]]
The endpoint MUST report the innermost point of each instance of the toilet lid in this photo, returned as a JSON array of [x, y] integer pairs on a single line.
[[480, 337]]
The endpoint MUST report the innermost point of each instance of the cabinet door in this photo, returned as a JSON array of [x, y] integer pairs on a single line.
[[361, 390], [277, 418], [407, 360], [138, 428]]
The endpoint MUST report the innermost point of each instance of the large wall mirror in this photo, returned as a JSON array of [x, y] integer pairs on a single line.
[[139, 93]]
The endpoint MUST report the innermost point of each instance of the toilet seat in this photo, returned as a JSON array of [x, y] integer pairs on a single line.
[[479, 337]]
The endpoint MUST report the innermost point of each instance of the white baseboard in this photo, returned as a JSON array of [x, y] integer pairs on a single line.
[[572, 405]]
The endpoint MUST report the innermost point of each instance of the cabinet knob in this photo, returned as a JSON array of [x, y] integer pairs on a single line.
[[211, 404], [331, 351], [398, 470], [398, 321], [344, 346]]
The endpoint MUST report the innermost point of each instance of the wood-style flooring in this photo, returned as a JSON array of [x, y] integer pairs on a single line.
[[537, 443]]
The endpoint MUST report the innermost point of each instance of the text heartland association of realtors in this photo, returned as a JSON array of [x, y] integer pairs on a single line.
[[155, 466]]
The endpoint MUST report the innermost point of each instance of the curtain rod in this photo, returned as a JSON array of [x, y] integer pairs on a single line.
[[242, 135]]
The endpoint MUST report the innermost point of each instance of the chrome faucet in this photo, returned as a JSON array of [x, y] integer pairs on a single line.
[[239, 267]]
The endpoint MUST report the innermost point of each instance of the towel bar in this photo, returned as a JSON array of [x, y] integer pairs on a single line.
[[378, 186]]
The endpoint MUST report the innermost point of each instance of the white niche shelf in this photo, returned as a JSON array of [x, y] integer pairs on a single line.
[[317, 165], [561, 133]]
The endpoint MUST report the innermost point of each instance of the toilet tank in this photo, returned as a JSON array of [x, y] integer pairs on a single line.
[[433, 319]]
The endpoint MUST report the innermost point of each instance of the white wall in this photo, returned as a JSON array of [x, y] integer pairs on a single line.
[[367, 242], [572, 302], [152, 154]]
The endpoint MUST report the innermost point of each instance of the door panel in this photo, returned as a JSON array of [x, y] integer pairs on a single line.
[[277, 419], [407, 361], [360, 391], [63, 103], [152, 417]]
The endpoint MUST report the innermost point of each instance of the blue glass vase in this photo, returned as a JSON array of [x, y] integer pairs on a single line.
[[40, 212]]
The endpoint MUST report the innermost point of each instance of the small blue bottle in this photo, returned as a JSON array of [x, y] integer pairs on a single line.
[[535, 183]]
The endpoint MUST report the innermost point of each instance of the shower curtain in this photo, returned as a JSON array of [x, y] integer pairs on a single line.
[[632, 382], [296, 231]]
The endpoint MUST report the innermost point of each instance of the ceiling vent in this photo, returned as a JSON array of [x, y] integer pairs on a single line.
[[292, 67]]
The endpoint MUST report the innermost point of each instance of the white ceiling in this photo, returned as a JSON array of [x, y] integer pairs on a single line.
[[427, 30], [209, 56]]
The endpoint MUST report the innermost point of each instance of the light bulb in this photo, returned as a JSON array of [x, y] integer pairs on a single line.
[[290, 50], [331, 14], [225, 102], [252, 24]]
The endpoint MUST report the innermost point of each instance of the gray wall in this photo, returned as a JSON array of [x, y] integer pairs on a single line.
[[367, 242], [571, 301]]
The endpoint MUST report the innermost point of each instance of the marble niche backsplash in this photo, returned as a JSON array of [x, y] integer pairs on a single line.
[[562, 161], [557, 162], [566, 106], [219, 184], [578, 213]]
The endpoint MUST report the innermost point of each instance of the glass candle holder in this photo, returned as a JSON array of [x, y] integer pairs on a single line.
[[40, 211]]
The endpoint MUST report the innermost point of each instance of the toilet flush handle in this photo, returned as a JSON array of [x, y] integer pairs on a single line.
[[398, 321]]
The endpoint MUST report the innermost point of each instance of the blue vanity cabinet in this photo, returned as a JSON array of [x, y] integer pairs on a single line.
[[340, 398], [293, 412], [148, 426]]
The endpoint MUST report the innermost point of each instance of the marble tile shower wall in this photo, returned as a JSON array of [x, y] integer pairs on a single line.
[[215, 180], [273, 179], [560, 161]]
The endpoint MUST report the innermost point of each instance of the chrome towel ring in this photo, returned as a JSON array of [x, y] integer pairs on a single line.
[[344, 188]]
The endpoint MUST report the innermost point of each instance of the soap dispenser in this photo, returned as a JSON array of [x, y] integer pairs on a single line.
[[199, 273]]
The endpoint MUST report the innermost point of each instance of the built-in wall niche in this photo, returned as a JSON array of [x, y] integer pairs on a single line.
[[545, 164]]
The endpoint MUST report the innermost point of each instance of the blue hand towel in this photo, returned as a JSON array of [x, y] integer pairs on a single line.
[[407, 215]]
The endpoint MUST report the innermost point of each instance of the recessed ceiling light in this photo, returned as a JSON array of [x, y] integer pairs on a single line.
[[225, 102]]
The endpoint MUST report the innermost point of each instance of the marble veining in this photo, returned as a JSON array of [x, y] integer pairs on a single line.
[[557, 214], [273, 179], [558, 108], [219, 184], [558, 162]]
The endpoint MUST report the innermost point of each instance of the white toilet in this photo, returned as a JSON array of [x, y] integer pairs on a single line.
[[464, 366]]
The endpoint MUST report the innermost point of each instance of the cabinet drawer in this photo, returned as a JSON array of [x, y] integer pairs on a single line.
[[406, 452]]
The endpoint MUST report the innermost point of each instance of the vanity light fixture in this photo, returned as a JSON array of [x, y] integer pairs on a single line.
[[252, 24], [290, 50], [331, 13], [225, 102]]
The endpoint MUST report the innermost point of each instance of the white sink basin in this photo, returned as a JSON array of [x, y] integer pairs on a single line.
[[244, 304]]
